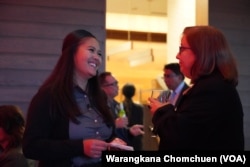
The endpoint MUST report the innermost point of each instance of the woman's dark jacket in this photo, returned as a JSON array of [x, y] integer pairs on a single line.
[[47, 140], [208, 117]]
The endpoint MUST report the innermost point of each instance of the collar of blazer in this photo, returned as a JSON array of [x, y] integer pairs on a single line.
[[187, 90]]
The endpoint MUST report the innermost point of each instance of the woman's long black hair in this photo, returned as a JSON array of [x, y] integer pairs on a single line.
[[61, 82]]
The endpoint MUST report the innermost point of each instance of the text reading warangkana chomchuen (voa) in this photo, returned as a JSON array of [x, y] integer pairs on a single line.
[[166, 158]]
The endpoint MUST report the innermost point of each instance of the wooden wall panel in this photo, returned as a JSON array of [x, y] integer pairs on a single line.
[[29, 45], [31, 34], [17, 93], [230, 20], [49, 15], [244, 83], [233, 19], [40, 30], [23, 77], [68, 4], [28, 61], [229, 6]]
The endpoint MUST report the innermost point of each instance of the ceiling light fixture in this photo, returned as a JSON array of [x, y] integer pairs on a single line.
[[126, 46], [141, 57]]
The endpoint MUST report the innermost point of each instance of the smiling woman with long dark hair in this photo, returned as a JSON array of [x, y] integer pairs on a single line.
[[69, 122]]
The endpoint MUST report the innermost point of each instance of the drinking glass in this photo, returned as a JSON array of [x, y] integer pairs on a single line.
[[160, 95]]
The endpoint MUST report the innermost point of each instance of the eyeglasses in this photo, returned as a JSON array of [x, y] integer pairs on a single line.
[[182, 48], [111, 84], [169, 76]]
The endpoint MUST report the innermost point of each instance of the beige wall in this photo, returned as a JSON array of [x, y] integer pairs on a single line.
[[143, 76], [180, 13]]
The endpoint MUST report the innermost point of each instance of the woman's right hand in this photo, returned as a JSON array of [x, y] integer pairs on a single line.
[[94, 147]]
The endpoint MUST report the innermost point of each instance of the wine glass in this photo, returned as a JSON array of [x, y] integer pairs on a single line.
[[160, 95]]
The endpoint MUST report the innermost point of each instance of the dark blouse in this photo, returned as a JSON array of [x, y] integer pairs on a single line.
[[91, 126]]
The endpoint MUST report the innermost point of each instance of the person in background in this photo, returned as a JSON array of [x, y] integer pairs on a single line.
[[209, 116], [134, 113], [174, 80], [110, 86], [68, 121], [12, 125]]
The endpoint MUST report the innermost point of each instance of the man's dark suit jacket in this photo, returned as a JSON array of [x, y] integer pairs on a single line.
[[165, 94], [209, 116], [185, 87]]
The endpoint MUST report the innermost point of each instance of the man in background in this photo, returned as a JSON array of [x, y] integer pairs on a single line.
[[110, 86], [174, 80], [134, 112]]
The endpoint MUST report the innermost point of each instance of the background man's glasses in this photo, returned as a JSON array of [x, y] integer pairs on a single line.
[[169, 76], [111, 84]]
